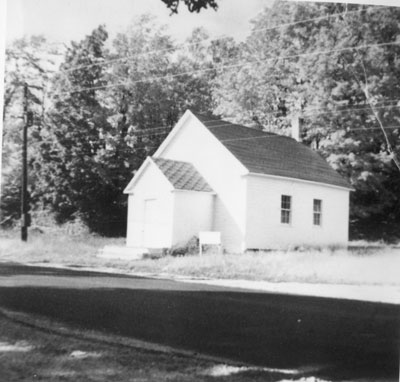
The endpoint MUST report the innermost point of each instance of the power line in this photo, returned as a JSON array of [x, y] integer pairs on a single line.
[[215, 39], [319, 18], [355, 109], [167, 128], [307, 109], [148, 132], [266, 135], [169, 76]]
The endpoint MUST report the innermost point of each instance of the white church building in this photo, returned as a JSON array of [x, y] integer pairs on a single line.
[[259, 190]]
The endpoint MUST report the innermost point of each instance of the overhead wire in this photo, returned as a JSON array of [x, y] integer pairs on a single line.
[[276, 58], [307, 109], [247, 62], [266, 135], [237, 65], [162, 130], [284, 25], [354, 109]]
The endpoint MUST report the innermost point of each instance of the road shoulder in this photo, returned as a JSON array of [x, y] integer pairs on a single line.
[[387, 294]]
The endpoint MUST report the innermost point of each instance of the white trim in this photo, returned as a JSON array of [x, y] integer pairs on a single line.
[[142, 169], [244, 169], [290, 222], [320, 214], [187, 114], [298, 180], [202, 192], [137, 175], [149, 160]]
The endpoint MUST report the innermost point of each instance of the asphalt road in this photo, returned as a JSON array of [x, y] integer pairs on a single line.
[[354, 339]]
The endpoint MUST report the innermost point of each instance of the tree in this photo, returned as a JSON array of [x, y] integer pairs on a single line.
[[192, 5], [77, 180], [347, 95], [111, 110], [31, 61], [159, 84]]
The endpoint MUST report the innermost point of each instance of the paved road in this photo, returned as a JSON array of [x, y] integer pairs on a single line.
[[356, 338]]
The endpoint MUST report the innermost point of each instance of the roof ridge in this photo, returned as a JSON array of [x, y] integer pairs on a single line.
[[171, 160], [219, 119], [281, 156]]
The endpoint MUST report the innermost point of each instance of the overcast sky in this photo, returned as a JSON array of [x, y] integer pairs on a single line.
[[66, 20]]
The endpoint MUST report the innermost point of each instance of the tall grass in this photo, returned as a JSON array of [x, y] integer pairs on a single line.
[[370, 265], [324, 266], [55, 247]]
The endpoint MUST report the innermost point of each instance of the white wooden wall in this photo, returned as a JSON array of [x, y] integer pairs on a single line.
[[150, 211], [193, 213], [223, 172], [264, 228]]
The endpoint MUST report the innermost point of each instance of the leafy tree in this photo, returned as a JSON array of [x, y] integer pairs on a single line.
[[196, 68], [347, 95], [109, 111], [74, 173], [192, 5], [158, 86], [30, 61]]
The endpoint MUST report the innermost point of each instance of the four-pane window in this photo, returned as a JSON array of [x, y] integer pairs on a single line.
[[317, 211], [286, 204]]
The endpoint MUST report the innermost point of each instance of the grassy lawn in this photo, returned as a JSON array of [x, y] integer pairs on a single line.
[[31, 354], [364, 266]]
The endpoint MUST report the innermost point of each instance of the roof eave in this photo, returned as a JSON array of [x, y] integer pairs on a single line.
[[186, 115], [139, 172], [186, 190], [349, 188], [128, 189]]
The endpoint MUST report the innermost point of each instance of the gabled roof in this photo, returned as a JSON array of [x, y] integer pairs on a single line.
[[272, 154], [182, 175]]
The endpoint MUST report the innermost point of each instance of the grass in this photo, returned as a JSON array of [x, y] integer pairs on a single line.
[[54, 247], [337, 267], [371, 265]]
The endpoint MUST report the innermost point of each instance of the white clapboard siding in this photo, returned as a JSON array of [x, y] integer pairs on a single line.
[[264, 228], [222, 171], [150, 211], [193, 212]]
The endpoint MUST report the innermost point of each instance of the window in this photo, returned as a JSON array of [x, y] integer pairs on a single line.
[[286, 202], [317, 211]]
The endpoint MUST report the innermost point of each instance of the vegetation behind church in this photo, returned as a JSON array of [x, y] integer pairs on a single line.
[[102, 106]]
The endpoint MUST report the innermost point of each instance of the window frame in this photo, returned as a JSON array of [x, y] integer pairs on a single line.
[[286, 209], [317, 213]]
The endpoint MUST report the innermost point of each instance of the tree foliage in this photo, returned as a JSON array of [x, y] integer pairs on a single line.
[[192, 5], [79, 180], [344, 94], [111, 104], [103, 120], [30, 61]]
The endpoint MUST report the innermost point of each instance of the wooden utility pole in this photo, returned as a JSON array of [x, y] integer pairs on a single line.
[[24, 179]]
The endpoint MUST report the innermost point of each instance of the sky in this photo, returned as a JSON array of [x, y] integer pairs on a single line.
[[66, 20]]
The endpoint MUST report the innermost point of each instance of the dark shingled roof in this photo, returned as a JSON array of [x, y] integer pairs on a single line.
[[272, 154], [182, 175]]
